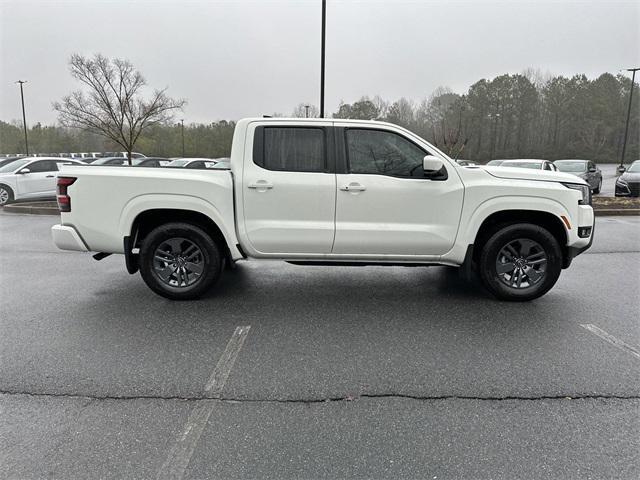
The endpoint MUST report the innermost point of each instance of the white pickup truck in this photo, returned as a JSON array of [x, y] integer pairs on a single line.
[[328, 192]]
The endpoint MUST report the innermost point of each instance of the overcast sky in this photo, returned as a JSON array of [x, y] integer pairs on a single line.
[[244, 58]]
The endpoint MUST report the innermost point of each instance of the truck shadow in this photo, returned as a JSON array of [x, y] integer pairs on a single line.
[[305, 281]]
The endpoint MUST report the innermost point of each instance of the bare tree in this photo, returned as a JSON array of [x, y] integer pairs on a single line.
[[113, 104]]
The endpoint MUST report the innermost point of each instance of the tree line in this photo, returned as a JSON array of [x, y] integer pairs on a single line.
[[520, 116], [523, 115]]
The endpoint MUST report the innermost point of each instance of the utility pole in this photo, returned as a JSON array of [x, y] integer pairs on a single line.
[[24, 117], [306, 111], [495, 117], [324, 29], [626, 128], [182, 129]]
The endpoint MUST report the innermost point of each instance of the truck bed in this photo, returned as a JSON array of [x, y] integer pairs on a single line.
[[106, 200]]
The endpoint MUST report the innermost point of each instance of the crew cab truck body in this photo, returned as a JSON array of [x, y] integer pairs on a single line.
[[320, 191]]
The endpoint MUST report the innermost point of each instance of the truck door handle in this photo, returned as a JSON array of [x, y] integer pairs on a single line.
[[353, 187], [261, 185], [50, 176]]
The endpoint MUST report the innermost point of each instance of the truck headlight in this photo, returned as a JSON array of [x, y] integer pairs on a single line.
[[584, 189], [622, 182]]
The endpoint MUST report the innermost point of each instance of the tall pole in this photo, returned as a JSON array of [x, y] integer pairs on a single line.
[[324, 29], [182, 129], [24, 117], [495, 117], [626, 128]]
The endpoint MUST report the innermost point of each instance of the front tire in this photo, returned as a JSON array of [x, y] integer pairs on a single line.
[[597, 190], [180, 261], [520, 262]]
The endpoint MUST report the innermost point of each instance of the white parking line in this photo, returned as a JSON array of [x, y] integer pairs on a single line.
[[180, 454], [611, 339], [220, 374]]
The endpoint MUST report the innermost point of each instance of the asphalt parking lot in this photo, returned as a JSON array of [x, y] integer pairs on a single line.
[[609, 177], [316, 372]]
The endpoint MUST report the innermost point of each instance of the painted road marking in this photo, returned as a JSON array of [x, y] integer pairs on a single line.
[[611, 339], [220, 374], [182, 451]]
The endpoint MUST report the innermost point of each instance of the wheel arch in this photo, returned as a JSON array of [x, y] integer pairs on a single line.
[[545, 219], [145, 221]]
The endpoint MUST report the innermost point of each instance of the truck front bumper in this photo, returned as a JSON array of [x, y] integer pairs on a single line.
[[586, 223], [67, 238]]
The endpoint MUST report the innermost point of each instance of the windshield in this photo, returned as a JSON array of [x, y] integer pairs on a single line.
[[635, 167], [534, 165], [573, 166], [11, 166]]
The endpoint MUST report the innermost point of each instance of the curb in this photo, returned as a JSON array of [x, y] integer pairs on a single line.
[[606, 212], [31, 209]]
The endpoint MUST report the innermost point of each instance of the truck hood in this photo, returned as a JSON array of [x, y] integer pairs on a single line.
[[529, 174]]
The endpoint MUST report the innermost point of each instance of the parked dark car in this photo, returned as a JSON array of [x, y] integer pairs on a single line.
[[585, 169], [628, 184]]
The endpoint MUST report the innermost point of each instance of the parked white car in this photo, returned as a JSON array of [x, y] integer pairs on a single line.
[[192, 162], [533, 164], [329, 192], [31, 177]]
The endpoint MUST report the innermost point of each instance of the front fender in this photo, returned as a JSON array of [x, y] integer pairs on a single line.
[[500, 204], [472, 220]]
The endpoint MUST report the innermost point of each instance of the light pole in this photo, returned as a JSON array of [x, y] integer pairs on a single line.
[[324, 28], [495, 116], [24, 117], [182, 130], [626, 128]]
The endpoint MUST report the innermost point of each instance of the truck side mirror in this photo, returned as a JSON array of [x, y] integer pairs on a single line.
[[431, 164], [434, 168], [24, 170], [592, 169]]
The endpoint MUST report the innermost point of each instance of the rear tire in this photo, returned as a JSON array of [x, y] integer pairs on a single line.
[[180, 261], [6, 195], [520, 262]]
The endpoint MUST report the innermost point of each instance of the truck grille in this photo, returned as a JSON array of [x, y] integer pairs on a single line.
[[634, 188]]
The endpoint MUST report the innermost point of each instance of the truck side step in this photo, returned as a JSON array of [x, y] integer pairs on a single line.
[[325, 263]]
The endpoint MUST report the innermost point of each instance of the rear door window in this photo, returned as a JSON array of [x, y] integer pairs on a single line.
[[291, 149]]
